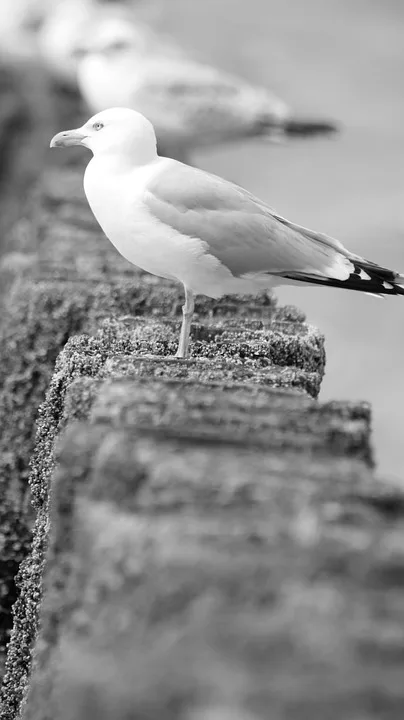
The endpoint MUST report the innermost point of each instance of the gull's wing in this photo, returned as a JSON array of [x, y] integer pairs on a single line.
[[249, 238], [238, 229], [198, 103], [206, 106]]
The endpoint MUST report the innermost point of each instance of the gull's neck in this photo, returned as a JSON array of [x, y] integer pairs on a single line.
[[104, 181], [102, 170], [122, 163]]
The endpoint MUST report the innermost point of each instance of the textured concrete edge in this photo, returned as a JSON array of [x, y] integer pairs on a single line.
[[89, 355], [89, 455], [66, 317], [94, 358]]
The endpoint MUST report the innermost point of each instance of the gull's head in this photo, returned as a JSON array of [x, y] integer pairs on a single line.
[[118, 133], [113, 38]]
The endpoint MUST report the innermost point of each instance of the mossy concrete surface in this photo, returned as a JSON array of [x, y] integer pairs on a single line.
[[216, 547], [179, 435]]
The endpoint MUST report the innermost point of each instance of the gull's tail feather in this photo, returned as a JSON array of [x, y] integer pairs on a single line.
[[366, 277], [301, 127]]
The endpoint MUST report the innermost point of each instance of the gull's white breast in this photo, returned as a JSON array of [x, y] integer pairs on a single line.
[[116, 197]]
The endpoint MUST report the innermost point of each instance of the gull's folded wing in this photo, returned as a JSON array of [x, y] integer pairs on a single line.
[[204, 100], [238, 229], [249, 238]]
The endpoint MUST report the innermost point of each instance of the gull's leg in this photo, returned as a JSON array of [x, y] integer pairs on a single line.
[[187, 313]]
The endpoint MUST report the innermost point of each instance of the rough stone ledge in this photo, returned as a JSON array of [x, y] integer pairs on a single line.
[[263, 418], [231, 418], [87, 355]]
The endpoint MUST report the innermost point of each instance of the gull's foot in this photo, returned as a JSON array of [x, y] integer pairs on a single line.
[[181, 354]]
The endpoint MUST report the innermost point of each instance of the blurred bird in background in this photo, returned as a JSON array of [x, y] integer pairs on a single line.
[[115, 56]]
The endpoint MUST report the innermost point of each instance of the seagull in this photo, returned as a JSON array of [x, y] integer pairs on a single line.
[[122, 61], [214, 237]]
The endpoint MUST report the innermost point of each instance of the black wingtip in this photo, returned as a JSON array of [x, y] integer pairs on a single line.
[[300, 127], [390, 282], [367, 277]]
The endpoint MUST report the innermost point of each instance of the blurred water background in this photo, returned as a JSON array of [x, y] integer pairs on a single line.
[[345, 59]]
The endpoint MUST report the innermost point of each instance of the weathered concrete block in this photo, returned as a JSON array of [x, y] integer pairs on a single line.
[[213, 402], [87, 356], [251, 414], [217, 370], [233, 568]]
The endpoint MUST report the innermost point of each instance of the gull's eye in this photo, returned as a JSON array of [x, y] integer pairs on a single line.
[[119, 45], [98, 126]]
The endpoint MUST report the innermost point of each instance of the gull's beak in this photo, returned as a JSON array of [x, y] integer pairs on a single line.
[[66, 138]]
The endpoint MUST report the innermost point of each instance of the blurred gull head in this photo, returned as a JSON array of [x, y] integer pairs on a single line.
[[111, 37], [72, 25]]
